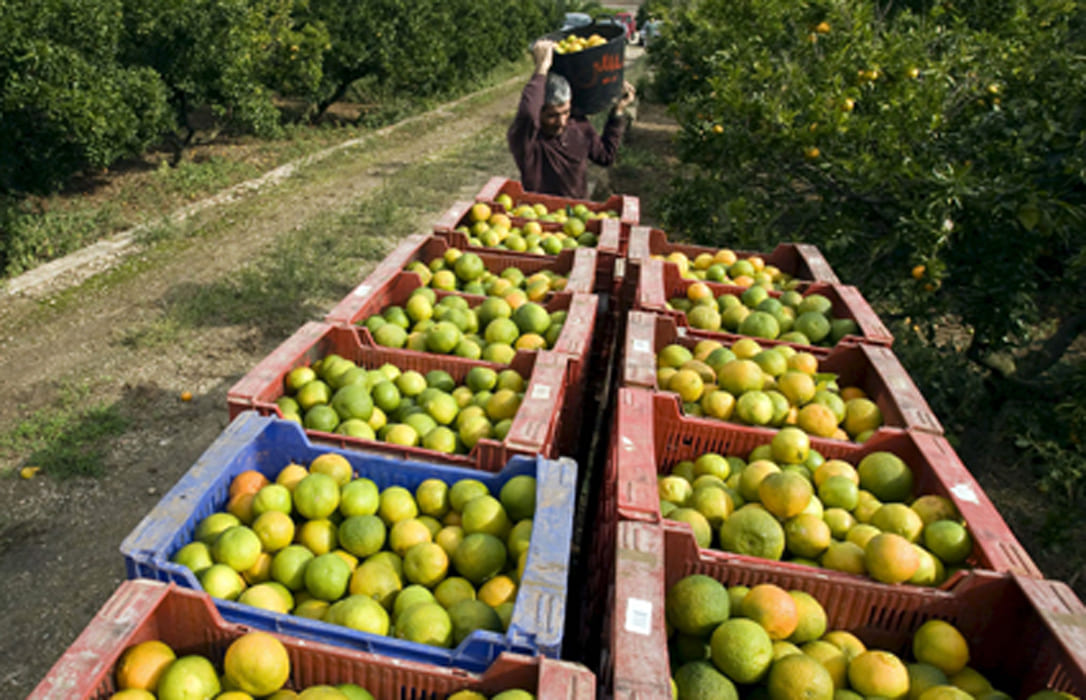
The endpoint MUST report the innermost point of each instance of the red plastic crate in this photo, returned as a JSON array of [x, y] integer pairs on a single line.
[[578, 266], [188, 622], [649, 438], [535, 425], [627, 207], [574, 341], [610, 245], [659, 282], [1024, 634], [802, 261], [873, 368]]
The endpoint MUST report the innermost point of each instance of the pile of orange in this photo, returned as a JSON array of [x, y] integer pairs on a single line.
[[467, 273], [256, 665], [429, 566], [767, 641], [488, 228], [774, 386], [726, 267], [785, 502], [792, 317]]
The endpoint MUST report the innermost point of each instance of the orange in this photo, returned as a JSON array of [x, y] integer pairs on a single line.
[[890, 558], [742, 649], [688, 384], [852, 392], [940, 644], [847, 557], [773, 608], [290, 475], [948, 540], [861, 416], [835, 467], [846, 642], [740, 376], [879, 673], [248, 481], [886, 476], [804, 362], [785, 493], [932, 507], [830, 656], [751, 477], [141, 665], [752, 531], [971, 681], [817, 419], [799, 677], [240, 505], [699, 292], [807, 535], [899, 519], [790, 446], [798, 386], [334, 465], [256, 663], [812, 618], [189, 676], [498, 590]]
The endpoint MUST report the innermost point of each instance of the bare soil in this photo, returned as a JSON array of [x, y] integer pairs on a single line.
[[59, 540]]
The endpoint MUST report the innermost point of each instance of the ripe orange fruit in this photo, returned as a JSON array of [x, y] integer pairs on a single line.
[[141, 665], [891, 558], [785, 493], [879, 673], [248, 481], [256, 663], [940, 644], [799, 677], [773, 608]]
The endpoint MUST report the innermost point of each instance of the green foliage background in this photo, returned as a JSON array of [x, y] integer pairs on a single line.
[[85, 83], [936, 153]]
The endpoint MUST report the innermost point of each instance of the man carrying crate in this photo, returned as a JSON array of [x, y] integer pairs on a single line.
[[551, 146]]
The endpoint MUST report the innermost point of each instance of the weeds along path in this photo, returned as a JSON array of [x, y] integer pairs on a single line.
[[108, 358]]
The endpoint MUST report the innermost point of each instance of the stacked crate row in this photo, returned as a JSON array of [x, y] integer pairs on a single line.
[[602, 554], [164, 599], [1028, 633]]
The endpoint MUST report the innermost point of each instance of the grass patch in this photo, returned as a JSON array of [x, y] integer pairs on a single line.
[[68, 438], [309, 269]]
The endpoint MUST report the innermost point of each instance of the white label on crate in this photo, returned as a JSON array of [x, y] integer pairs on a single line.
[[627, 444], [620, 267], [638, 616], [966, 493], [363, 290], [642, 345], [542, 392], [681, 331]]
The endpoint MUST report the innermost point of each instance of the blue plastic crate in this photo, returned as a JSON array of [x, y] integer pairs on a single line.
[[268, 444]]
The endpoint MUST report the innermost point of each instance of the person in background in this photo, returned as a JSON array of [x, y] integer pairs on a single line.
[[552, 146]]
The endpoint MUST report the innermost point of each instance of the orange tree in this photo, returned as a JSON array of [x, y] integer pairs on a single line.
[[420, 48], [935, 152], [65, 102]]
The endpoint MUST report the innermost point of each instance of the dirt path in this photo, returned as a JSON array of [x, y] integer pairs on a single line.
[[59, 541]]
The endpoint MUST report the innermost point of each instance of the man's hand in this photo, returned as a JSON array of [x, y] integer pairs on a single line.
[[543, 53], [627, 98]]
